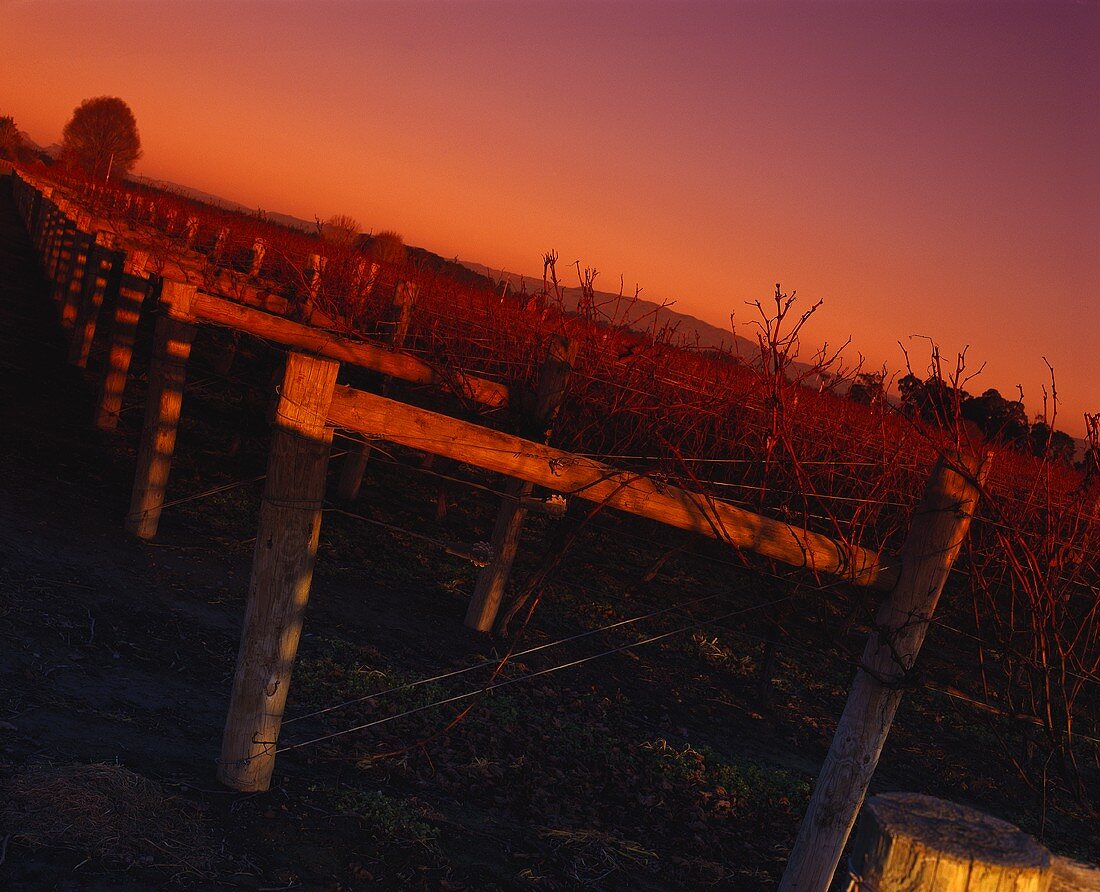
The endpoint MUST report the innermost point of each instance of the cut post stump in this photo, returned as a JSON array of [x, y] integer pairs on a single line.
[[907, 842]]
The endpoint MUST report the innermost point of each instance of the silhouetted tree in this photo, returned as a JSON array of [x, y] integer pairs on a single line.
[[999, 419], [867, 388], [932, 400], [385, 247], [339, 229], [1055, 445], [101, 137], [13, 147]]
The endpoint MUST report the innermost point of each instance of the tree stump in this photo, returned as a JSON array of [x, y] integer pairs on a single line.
[[1068, 875], [908, 842]]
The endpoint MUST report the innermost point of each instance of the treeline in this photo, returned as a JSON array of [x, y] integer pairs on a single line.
[[935, 401]]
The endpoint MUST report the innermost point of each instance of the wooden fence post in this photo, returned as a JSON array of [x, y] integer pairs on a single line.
[[485, 602], [259, 249], [103, 274], [936, 534], [42, 207], [47, 235], [317, 265], [60, 253], [163, 401], [69, 286], [47, 218], [61, 246], [132, 291], [282, 567], [355, 462]]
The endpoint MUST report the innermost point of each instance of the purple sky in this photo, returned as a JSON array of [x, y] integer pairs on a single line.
[[926, 168]]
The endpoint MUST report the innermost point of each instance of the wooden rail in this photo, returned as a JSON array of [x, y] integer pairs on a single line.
[[207, 308], [386, 419]]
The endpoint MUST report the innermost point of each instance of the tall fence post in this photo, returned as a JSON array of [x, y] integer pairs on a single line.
[[103, 273], [50, 229], [259, 249], [70, 285], [355, 462], [163, 402], [485, 602], [62, 254], [936, 534], [282, 568], [42, 210], [132, 291]]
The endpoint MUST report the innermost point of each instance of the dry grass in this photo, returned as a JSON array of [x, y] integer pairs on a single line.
[[104, 812]]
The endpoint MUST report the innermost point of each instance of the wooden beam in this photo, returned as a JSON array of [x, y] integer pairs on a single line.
[[282, 568], [375, 416], [939, 526], [163, 402], [218, 311]]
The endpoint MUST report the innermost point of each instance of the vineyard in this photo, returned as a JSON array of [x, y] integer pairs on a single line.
[[668, 558]]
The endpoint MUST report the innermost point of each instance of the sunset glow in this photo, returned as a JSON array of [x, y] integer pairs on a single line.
[[926, 169]]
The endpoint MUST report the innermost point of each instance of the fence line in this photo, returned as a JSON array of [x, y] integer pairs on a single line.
[[87, 268]]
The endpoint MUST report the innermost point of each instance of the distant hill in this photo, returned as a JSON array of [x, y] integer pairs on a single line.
[[421, 257], [638, 315], [224, 203], [645, 316]]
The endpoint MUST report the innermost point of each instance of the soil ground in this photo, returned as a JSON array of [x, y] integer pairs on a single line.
[[652, 767]]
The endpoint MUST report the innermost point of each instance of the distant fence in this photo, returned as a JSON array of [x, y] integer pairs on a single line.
[[91, 266]]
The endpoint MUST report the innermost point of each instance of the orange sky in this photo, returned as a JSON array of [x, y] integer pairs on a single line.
[[926, 168]]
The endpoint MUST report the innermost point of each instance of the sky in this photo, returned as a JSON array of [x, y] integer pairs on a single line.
[[929, 170]]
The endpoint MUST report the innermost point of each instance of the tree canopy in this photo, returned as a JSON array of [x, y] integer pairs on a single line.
[[13, 147], [386, 247], [1003, 420], [340, 229], [101, 137]]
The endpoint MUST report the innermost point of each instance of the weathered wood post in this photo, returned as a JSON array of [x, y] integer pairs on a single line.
[[259, 249], [282, 567], [40, 210], [132, 290], [317, 263], [938, 528], [355, 462], [47, 217], [167, 374], [906, 841], [190, 231], [60, 250], [51, 231], [553, 380], [104, 273], [70, 285]]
